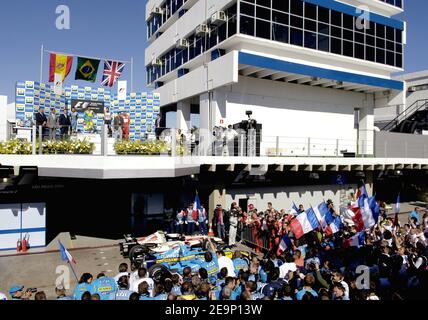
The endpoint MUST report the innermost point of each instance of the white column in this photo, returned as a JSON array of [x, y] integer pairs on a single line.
[[3, 118], [366, 127], [183, 115]]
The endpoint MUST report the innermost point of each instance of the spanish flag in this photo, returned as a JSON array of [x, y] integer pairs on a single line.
[[59, 64]]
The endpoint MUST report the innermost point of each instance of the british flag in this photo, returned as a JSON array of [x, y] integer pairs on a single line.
[[112, 72]]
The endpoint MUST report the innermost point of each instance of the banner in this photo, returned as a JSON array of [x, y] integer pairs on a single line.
[[85, 105], [87, 69], [122, 89]]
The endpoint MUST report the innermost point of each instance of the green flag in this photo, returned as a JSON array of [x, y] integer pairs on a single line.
[[87, 69]]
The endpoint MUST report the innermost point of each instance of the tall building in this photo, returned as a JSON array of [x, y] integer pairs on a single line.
[[313, 69]]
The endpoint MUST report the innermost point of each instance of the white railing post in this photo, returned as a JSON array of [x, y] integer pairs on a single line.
[[34, 139], [309, 147], [277, 146]]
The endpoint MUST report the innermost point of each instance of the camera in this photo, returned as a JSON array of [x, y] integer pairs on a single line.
[[32, 290]]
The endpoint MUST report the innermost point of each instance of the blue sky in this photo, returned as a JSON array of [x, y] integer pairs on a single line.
[[99, 28]]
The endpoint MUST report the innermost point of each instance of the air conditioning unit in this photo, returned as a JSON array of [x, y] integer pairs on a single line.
[[202, 29], [157, 11], [157, 62], [182, 43], [218, 17]]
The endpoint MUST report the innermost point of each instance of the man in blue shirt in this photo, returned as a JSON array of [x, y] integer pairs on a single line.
[[211, 261], [106, 287], [239, 263], [307, 287]]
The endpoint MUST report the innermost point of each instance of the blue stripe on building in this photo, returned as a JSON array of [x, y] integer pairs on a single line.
[[290, 67], [353, 11], [30, 230]]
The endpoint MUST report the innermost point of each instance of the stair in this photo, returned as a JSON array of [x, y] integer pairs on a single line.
[[412, 120]]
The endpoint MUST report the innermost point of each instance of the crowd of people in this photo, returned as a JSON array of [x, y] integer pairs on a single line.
[[317, 266]]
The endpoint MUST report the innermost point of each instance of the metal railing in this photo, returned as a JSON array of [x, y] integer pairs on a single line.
[[173, 142], [418, 105]]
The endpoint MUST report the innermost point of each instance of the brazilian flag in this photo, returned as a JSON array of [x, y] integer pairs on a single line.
[[87, 69]]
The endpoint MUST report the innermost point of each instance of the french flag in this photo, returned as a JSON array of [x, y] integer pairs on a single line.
[[357, 240], [284, 245], [365, 209], [197, 203], [65, 255], [321, 211], [333, 224], [304, 223], [294, 210]]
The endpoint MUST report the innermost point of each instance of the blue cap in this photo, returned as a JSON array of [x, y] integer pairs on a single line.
[[213, 280], [15, 289]]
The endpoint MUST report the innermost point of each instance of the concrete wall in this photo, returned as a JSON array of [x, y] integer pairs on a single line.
[[294, 111], [7, 112], [283, 197], [400, 145]]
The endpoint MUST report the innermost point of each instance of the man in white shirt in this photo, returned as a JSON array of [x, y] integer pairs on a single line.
[[225, 262], [285, 268], [143, 277], [123, 271]]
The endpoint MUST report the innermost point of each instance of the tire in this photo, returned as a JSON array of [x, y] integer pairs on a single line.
[[136, 252], [158, 272]]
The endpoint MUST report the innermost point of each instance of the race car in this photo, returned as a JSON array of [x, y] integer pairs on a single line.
[[164, 254]]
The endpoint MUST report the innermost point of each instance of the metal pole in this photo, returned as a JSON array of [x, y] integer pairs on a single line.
[[40, 140], [132, 74], [103, 140], [34, 136], [41, 63], [337, 147], [309, 147], [277, 146]]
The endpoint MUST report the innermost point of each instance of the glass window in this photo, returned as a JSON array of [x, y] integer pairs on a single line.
[[390, 33], [380, 30], [390, 58], [348, 35], [336, 32], [370, 53], [336, 18], [310, 40], [281, 5], [263, 13], [370, 40], [232, 26], [310, 25], [296, 22], [348, 21], [336, 45], [247, 25], [398, 36], [359, 37], [323, 43], [279, 17], [323, 28], [380, 55], [296, 7], [296, 37], [310, 11], [348, 48], [279, 33], [323, 15], [399, 60], [359, 51], [263, 29], [380, 43], [248, 9], [390, 45], [265, 3]]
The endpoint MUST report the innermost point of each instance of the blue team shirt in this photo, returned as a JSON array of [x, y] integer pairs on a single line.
[[162, 296], [211, 267], [240, 264], [301, 293], [80, 289], [106, 287]]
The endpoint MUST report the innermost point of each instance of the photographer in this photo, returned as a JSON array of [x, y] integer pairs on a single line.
[[18, 293]]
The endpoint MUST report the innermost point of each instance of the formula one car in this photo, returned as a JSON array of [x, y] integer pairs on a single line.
[[164, 254]]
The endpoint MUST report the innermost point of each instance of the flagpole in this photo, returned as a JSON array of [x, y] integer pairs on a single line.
[[132, 74], [72, 269], [41, 63]]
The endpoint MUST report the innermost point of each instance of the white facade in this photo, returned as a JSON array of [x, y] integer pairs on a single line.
[[293, 91], [7, 113]]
